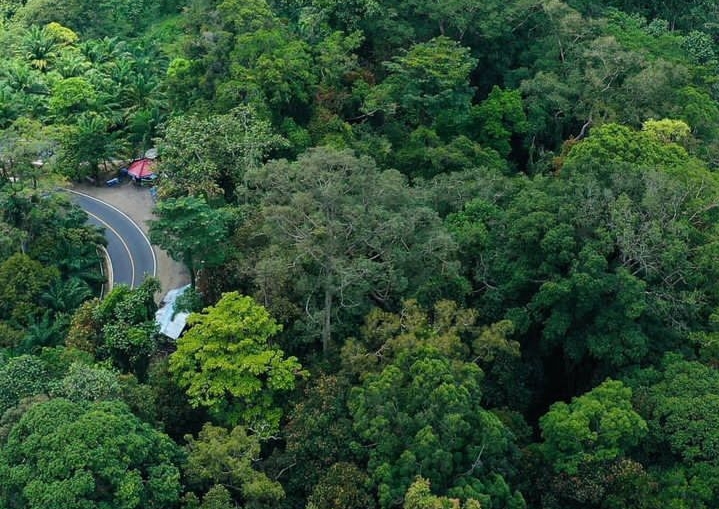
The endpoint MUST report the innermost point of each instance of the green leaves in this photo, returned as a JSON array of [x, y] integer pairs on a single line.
[[429, 80], [500, 117], [21, 376], [221, 458], [64, 454], [344, 485], [191, 232], [210, 156], [598, 426], [679, 403], [594, 262], [22, 283], [88, 144], [126, 318], [342, 233], [226, 364], [421, 415]]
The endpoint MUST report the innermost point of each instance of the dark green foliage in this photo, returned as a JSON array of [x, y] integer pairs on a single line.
[[332, 490], [319, 434], [191, 232], [343, 235], [548, 166], [172, 408], [121, 327], [21, 377], [102, 18], [592, 263], [22, 283], [49, 265], [678, 403], [129, 333], [421, 415], [64, 454]]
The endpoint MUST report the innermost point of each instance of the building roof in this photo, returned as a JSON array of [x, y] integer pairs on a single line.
[[171, 326], [141, 168]]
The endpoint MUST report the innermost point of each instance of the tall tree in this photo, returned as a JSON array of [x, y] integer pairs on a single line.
[[22, 283], [88, 146], [20, 377], [591, 263], [428, 82], [598, 426], [226, 363], [64, 454], [208, 157], [420, 416], [218, 457], [192, 232], [349, 234]]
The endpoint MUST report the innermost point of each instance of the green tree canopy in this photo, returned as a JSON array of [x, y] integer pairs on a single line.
[[421, 416], [72, 455], [595, 261], [208, 157], [598, 426], [341, 234], [20, 377], [226, 363], [221, 458], [429, 82], [192, 232]]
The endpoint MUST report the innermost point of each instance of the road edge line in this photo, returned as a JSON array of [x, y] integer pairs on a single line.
[[107, 226], [152, 249], [108, 265]]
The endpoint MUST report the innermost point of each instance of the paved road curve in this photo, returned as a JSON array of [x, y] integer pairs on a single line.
[[131, 254]]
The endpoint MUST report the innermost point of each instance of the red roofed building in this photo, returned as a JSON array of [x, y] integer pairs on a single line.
[[142, 168]]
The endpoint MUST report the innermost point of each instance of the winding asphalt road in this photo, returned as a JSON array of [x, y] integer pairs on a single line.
[[130, 252]]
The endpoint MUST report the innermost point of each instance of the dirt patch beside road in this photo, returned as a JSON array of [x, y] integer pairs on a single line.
[[137, 203]]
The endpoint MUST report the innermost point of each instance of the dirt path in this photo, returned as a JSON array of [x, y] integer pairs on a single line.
[[137, 203]]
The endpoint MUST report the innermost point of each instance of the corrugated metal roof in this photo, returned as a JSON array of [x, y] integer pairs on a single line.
[[171, 326]]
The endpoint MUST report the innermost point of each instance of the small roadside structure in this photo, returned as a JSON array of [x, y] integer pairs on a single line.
[[171, 323], [142, 169]]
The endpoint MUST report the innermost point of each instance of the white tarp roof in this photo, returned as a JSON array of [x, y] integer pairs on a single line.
[[171, 326]]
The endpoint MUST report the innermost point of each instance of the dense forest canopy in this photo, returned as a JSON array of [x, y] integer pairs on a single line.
[[442, 254]]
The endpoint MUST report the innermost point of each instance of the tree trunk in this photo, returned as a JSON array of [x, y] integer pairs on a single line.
[[327, 323], [189, 261]]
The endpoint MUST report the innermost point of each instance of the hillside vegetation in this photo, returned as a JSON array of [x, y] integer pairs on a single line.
[[456, 254]]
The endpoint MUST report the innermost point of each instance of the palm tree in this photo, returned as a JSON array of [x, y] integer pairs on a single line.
[[66, 296], [82, 264], [101, 51], [90, 144], [143, 126], [121, 71], [71, 63], [47, 331], [40, 47], [20, 77]]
